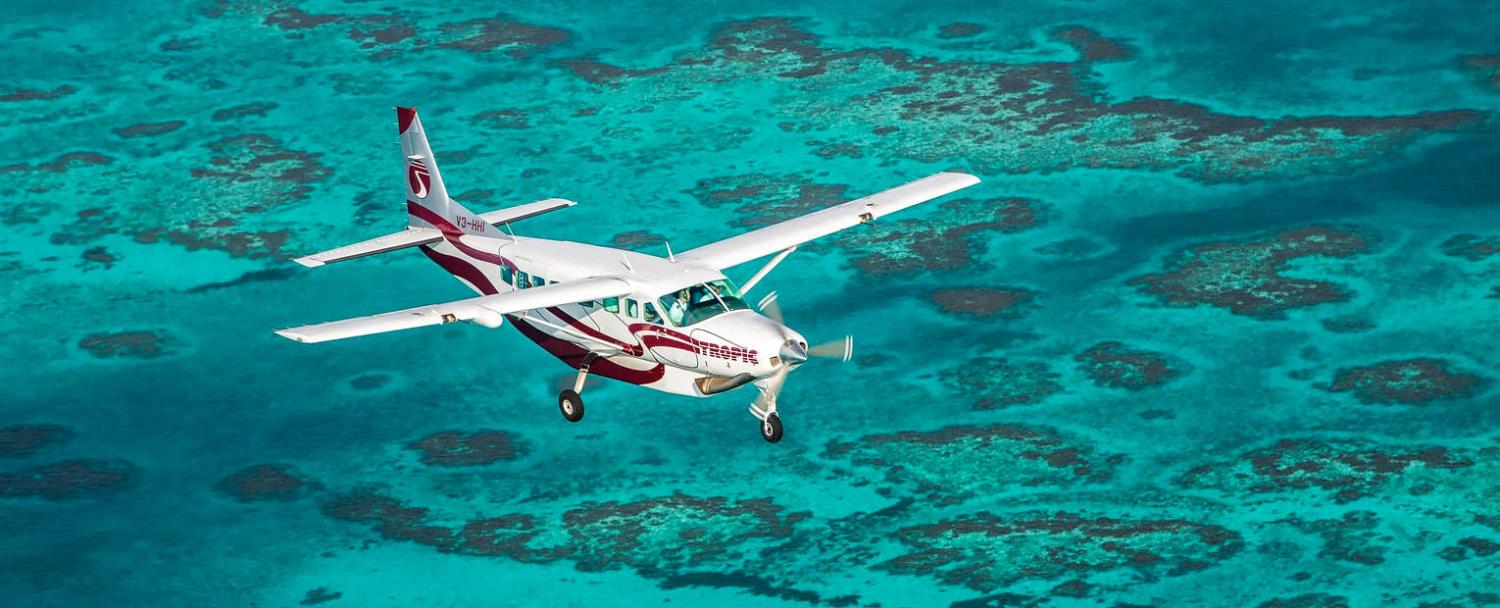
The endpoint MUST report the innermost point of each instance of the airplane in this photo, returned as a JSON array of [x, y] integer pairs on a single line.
[[675, 324]]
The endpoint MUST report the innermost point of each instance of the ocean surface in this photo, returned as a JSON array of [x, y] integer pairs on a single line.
[[1218, 328]]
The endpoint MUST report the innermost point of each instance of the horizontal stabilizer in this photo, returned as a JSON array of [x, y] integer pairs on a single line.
[[521, 212], [411, 237], [486, 310]]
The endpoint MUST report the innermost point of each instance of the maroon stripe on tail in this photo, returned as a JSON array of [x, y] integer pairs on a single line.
[[404, 116], [461, 268], [452, 234]]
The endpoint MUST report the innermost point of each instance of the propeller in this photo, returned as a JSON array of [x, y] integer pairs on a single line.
[[841, 349]]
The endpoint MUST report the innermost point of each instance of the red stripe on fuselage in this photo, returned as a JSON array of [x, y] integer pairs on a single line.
[[573, 355], [461, 268]]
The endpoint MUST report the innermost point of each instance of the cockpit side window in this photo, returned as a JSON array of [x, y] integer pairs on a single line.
[[651, 316]]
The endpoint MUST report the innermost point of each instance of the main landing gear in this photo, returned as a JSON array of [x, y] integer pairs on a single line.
[[570, 402]]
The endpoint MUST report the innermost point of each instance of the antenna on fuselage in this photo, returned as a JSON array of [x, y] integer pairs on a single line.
[[512, 232], [670, 257], [625, 261]]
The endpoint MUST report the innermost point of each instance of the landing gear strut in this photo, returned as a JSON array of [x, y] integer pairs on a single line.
[[570, 402], [764, 409]]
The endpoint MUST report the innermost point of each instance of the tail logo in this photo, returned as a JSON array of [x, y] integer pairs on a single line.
[[417, 178]]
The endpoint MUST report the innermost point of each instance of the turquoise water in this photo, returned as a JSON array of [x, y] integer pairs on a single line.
[[1216, 330]]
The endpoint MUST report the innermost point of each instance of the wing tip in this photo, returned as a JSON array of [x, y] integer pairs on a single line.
[[970, 178], [309, 261], [292, 335]]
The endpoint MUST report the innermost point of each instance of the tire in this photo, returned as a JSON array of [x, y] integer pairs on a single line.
[[770, 428], [570, 403]]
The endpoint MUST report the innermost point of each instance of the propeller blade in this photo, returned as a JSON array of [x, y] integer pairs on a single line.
[[770, 308], [842, 349]]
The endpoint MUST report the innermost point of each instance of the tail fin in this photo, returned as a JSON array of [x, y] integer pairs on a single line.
[[427, 200]]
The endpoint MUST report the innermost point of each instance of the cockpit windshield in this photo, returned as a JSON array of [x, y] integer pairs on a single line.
[[700, 302]]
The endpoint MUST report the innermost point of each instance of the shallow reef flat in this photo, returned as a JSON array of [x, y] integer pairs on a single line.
[[1217, 329]]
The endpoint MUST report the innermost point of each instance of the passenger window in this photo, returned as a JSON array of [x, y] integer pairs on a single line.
[[631, 308], [505, 274], [522, 280], [612, 305], [651, 316], [538, 281]]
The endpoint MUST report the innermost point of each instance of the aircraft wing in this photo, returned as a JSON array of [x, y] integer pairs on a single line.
[[484, 308], [780, 236]]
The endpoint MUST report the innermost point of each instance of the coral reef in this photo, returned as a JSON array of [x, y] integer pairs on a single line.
[[1245, 276], [1115, 365], [1350, 469], [460, 449], [955, 463], [984, 551], [997, 383], [264, 482], [24, 440], [983, 302], [144, 344], [1406, 382], [70, 479]]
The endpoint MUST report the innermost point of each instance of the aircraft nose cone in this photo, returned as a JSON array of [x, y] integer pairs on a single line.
[[793, 352]]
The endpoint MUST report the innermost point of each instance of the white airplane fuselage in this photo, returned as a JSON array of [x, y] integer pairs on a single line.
[[628, 345]]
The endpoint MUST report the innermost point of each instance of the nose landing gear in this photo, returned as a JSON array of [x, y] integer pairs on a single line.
[[764, 409], [570, 402]]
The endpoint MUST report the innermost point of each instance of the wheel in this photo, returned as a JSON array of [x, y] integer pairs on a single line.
[[770, 428], [571, 404]]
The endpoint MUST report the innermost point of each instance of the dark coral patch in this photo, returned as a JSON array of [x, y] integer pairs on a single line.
[[1407, 382], [763, 199], [511, 118], [460, 449], [959, 30], [1308, 600], [127, 344], [1350, 469], [948, 241], [264, 482], [598, 72], [1353, 538], [319, 596], [23, 440], [70, 479], [955, 463], [292, 18], [369, 382], [150, 129], [69, 160], [983, 302], [245, 110], [1091, 46], [1471, 247], [996, 383], [665, 534], [1115, 365], [638, 240], [1487, 66], [485, 35], [38, 95], [262, 159], [1245, 276], [984, 551]]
